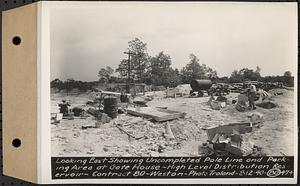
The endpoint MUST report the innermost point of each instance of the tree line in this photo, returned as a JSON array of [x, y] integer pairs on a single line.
[[157, 70]]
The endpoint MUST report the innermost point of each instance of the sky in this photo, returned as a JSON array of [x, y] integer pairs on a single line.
[[85, 37]]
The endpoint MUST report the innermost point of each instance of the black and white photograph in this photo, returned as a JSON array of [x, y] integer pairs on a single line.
[[173, 80]]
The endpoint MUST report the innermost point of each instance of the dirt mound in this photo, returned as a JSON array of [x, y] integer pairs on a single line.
[[185, 129], [152, 134]]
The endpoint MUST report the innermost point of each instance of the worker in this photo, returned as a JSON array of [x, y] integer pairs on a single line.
[[63, 107], [251, 96]]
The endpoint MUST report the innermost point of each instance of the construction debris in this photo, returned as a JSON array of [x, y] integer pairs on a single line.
[[87, 127], [156, 114], [216, 105], [168, 132], [277, 91], [140, 101], [94, 112], [211, 98], [221, 98], [229, 138], [267, 104], [69, 116], [256, 117], [130, 135], [135, 132], [78, 111], [264, 94], [102, 117], [56, 118], [180, 90], [241, 104]]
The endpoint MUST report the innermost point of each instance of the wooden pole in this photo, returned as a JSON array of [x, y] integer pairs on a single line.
[[129, 53]]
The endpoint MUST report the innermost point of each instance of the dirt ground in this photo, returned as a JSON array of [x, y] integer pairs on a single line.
[[274, 136]]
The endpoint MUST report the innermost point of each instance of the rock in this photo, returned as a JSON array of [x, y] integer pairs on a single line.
[[90, 152], [140, 101], [121, 111], [161, 148], [154, 154], [215, 105], [256, 117], [105, 149], [240, 108]]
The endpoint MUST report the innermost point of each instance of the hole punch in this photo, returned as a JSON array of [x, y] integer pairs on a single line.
[[16, 142], [16, 40]]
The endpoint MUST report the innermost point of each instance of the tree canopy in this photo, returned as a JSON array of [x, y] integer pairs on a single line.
[[105, 73], [138, 60], [160, 71], [193, 70], [245, 74]]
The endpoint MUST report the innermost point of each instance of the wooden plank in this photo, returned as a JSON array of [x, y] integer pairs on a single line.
[[155, 113]]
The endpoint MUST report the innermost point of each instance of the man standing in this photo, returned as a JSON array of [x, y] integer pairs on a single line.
[[251, 97]]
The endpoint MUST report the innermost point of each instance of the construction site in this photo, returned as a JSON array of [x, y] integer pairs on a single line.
[[173, 80], [197, 119]]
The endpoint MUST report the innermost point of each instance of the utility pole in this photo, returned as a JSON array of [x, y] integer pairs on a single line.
[[129, 53], [140, 68]]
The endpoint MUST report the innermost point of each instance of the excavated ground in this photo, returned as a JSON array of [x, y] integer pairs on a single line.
[[275, 136]]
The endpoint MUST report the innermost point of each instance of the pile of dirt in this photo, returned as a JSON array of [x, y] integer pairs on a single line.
[[152, 133], [68, 138], [140, 127], [185, 129]]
